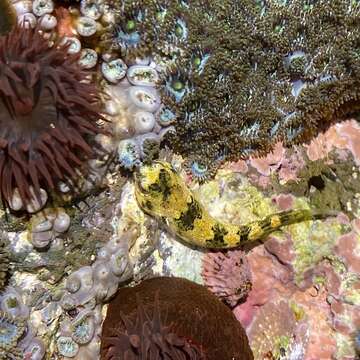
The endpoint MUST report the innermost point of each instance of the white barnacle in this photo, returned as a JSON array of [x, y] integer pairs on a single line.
[[144, 122], [91, 8], [86, 26], [42, 7], [48, 22], [114, 70], [88, 58]]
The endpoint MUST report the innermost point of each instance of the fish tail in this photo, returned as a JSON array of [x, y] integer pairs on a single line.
[[258, 230]]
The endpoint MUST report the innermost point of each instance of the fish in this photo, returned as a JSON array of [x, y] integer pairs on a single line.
[[162, 193]]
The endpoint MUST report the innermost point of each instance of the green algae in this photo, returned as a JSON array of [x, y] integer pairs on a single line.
[[298, 311], [312, 243], [344, 347], [351, 294], [237, 201], [329, 184], [12, 223]]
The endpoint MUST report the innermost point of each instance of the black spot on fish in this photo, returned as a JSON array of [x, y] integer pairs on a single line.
[[148, 205], [186, 220], [163, 185], [219, 233], [243, 234]]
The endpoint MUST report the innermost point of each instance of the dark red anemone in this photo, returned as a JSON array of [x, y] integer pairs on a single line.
[[170, 318], [48, 114]]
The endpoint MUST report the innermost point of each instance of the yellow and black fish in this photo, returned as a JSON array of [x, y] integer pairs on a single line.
[[162, 193]]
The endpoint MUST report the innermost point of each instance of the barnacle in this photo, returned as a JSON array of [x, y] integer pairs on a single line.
[[48, 114], [172, 318]]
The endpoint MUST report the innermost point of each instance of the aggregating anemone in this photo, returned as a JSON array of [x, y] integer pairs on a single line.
[[241, 75], [17, 337]]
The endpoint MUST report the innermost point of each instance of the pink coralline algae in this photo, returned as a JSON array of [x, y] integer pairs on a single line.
[[315, 319], [342, 136], [348, 248], [266, 165], [286, 163], [227, 275], [284, 201]]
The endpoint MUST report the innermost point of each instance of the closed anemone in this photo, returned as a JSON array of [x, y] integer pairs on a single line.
[[171, 318]]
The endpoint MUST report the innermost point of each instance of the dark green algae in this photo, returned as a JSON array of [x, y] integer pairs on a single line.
[[245, 74], [330, 185]]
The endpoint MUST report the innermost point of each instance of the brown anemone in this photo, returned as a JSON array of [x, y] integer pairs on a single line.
[[48, 114], [171, 318]]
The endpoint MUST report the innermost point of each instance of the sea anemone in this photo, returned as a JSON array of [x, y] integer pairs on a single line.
[[149, 336], [11, 331], [7, 16], [172, 318], [48, 110], [227, 275]]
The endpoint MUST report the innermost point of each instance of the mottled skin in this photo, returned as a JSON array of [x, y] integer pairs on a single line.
[[162, 193]]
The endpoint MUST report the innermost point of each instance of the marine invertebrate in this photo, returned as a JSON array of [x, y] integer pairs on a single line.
[[7, 19], [48, 114], [162, 193], [140, 124], [11, 331], [241, 75], [227, 275], [17, 339], [100, 280], [167, 321], [47, 225]]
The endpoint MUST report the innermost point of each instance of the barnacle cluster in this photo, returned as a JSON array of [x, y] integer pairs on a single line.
[[240, 75], [47, 226]]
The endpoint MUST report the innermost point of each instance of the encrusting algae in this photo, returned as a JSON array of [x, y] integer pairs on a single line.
[[161, 192]]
